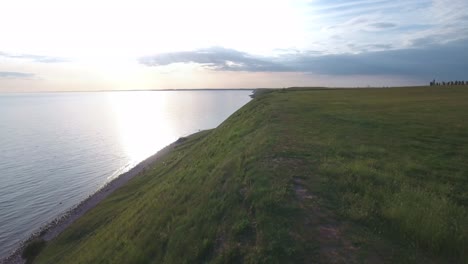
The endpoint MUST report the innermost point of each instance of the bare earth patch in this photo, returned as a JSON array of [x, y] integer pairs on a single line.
[[333, 246]]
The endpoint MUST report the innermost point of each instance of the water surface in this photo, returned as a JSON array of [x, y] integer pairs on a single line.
[[58, 148]]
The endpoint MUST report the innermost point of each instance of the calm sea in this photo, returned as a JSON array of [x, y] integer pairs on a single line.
[[58, 148]]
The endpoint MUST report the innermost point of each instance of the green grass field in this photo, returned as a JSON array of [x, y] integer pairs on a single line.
[[297, 176]]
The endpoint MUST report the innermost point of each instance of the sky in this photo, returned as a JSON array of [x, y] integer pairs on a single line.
[[60, 45]]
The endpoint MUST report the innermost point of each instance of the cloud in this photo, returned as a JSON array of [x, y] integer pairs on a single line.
[[442, 61], [216, 58], [35, 58], [15, 75], [363, 23], [406, 23], [383, 25], [437, 61], [345, 10]]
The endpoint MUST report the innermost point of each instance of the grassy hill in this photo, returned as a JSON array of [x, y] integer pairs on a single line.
[[297, 176]]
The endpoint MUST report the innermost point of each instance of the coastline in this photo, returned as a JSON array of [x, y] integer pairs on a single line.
[[61, 222]]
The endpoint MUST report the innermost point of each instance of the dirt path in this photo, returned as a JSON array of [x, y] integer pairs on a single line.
[[333, 245]]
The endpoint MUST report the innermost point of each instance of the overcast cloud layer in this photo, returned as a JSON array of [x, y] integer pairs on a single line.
[[442, 61]]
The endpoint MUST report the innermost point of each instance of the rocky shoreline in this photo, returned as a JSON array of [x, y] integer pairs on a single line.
[[59, 224]]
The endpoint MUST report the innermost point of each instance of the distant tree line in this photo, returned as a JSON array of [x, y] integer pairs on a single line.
[[434, 83]]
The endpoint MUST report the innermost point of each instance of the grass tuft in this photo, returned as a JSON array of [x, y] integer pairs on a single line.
[[32, 249]]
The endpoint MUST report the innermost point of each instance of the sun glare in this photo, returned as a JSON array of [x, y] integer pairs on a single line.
[[135, 28], [141, 123]]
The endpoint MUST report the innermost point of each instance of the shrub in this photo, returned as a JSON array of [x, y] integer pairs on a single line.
[[33, 249]]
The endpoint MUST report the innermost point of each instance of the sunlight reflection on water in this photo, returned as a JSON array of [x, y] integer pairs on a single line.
[[142, 122]]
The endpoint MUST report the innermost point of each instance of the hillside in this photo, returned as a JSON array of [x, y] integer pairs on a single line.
[[297, 176]]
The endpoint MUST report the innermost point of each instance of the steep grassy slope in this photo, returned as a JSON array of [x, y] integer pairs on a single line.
[[376, 175]]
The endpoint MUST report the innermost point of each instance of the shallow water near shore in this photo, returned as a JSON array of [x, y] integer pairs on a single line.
[[58, 148]]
